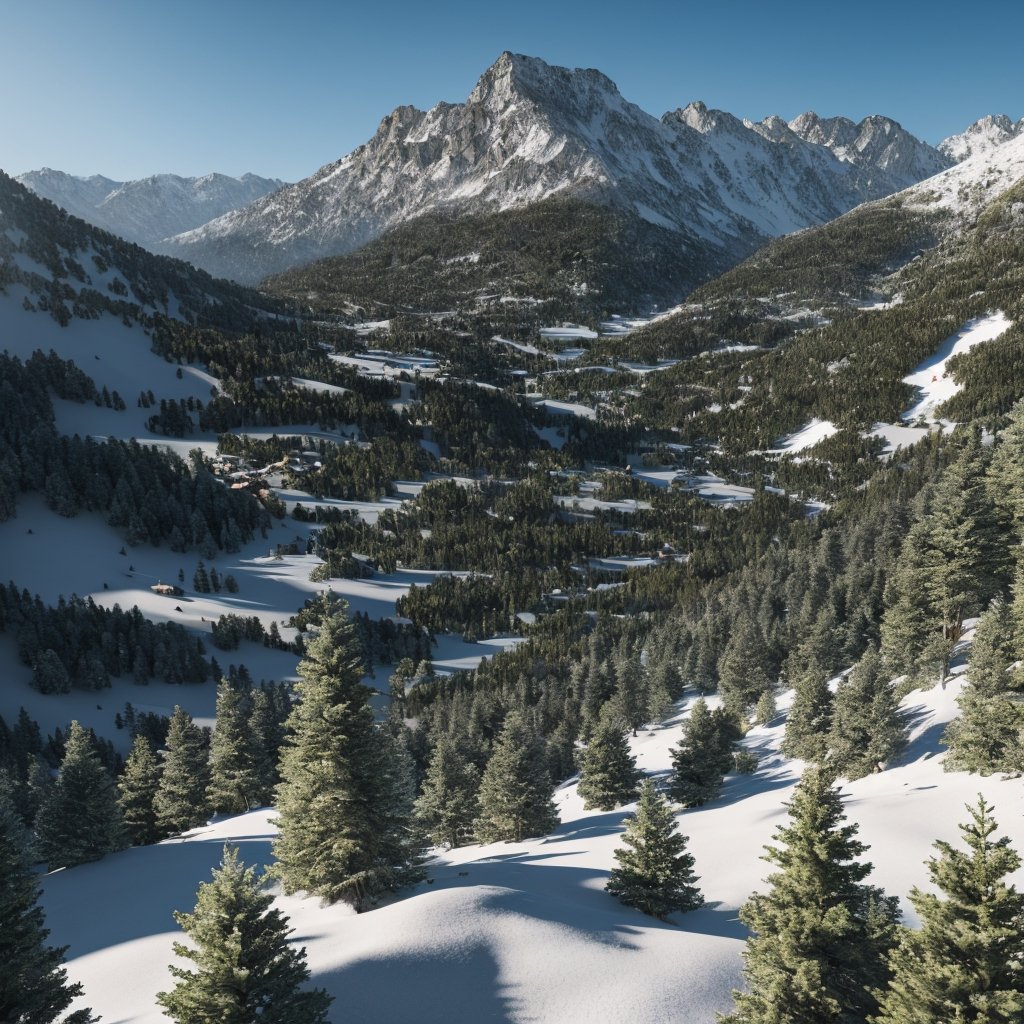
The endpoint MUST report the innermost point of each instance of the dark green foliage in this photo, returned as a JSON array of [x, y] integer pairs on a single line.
[[608, 772], [80, 643], [703, 755], [137, 789], [966, 962], [244, 969], [33, 981], [181, 798], [655, 872], [867, 730], [809, 719], [79, 820], [234, 755], [744, 672], [447, 806], [819, 935], [345, 796], [515, 792]]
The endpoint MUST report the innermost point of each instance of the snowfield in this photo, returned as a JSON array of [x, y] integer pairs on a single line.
[[525, 932]]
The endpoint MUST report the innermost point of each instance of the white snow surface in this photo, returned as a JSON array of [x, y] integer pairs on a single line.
[[934, 385], [524, 931], [807, 437]]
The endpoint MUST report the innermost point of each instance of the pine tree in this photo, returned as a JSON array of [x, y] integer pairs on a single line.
[[987, 736], [866, 727], [655, 874], [266, 728], [447, 806], [181, 796], [79, 820], [966, 963], [234, 778], [809, 719], [608, 773], [744, 671], [137, 793], [515, 792], [245, 970], [703, 756], [345, 796], [819, 936], [33, 981]]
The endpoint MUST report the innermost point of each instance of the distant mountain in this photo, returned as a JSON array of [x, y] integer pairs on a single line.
[[149, 209], [981, 137], [529, 131]]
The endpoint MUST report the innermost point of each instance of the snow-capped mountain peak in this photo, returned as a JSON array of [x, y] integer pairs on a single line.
[[981, 137], [528, 131]]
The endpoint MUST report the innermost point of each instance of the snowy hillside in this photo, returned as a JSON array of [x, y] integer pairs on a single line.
[[519, 932], [981, 137], [529, 131], [148, 209]]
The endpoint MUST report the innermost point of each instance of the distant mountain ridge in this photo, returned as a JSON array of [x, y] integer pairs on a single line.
[[529, 131], [148, 209]]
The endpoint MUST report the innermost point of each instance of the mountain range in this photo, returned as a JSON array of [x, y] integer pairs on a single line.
[[149, 209], [530, 131]]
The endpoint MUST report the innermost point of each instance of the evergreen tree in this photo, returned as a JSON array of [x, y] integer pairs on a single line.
[[234, 777], [993, 651], [966, 962], [245, 970], [137, 793], [655, 874], [33, 981], [344, 799], [866, 727], [447, 806], [819, 936], [266, 728], [181, 796], [809, 719], [515, 792], [744, 671], [703, 756], [79, 820], [608, 773], [987, 736]]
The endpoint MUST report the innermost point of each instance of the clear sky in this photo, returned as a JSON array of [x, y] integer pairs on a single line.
[[128, 88]]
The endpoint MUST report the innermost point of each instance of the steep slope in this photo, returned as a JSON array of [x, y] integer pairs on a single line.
[[984, 135], [529, 131], [146, 210]]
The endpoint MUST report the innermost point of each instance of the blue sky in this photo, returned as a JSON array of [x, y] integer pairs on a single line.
[[128, 89]]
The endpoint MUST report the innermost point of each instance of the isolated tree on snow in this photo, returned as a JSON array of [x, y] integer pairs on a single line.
[[181, 796], [867, 730], [703, 755], [244, 969], [79, 820], [819, 936], [234, 778], [345, 801], [447, 807], [515, 792], [34, 985], [137, 790], [608, 773], [655, 871], [966, 962]]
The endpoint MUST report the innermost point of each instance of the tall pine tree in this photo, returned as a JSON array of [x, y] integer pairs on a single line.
[[515, 793], [345, 822], [966, 962], [447, 807], [819, 936], [34, 985], [245, 970], [181, 796], [79, 820], [703, 756], [655, 871], [137, 789], [608, 773], [234, 777]]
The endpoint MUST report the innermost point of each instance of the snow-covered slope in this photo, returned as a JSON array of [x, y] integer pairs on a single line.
[[518, 932], [149, 209], [529, 131], [981, 137]]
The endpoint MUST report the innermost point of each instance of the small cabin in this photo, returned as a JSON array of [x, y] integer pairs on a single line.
[[167, 590]]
